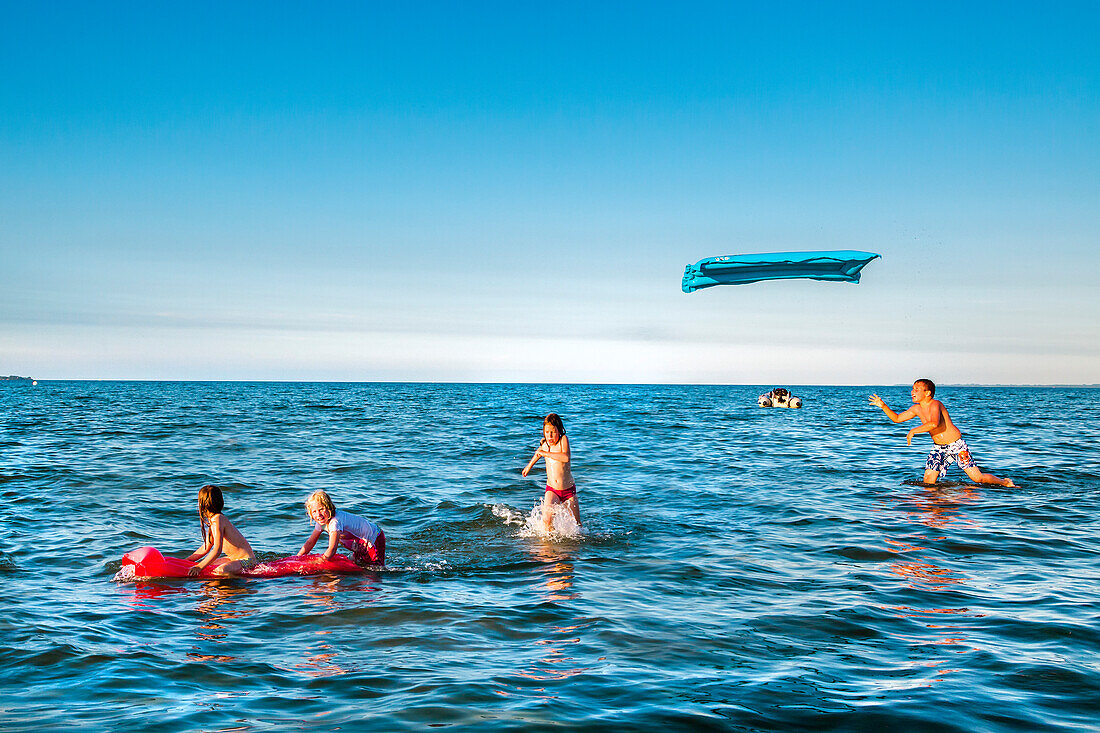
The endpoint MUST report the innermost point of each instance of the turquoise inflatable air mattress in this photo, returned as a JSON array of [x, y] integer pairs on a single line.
[[839, 266]]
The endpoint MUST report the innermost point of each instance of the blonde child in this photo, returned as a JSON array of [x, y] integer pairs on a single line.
[[363, 537], [218, 536], [560, 486]]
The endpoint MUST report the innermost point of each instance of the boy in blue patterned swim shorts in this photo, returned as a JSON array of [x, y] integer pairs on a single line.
[[949, 446]]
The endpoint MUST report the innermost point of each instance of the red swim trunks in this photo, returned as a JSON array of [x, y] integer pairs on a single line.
[[563, 494], [363, 553]]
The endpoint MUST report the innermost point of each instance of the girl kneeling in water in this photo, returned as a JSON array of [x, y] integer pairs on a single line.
[[218, 536]]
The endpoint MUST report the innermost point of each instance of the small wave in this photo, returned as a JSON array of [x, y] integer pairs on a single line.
[[945, 484], [232, 444], [414, 565], [864, 554], [345, 469], [508, 514], [435, 566]]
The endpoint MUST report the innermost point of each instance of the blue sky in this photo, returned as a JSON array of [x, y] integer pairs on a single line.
[[483, 192]]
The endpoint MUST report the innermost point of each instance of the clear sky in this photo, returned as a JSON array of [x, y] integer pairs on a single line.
[[510, 192]]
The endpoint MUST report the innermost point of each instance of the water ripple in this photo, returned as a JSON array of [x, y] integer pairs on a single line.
[[738, 568]]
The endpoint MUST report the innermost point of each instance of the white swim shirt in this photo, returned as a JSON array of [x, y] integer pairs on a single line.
[[352, 524]]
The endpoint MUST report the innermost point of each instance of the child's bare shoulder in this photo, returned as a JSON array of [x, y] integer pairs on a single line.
[[221, 520], [923, 409]]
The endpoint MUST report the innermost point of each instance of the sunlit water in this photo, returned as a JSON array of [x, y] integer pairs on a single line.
[[739, 568]]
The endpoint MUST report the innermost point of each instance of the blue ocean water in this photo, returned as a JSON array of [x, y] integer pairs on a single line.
[[739, 569]]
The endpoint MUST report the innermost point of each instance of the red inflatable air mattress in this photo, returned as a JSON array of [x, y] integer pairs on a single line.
[[148, 562]]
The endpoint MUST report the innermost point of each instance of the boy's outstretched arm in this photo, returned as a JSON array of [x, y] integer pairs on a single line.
[[922, 428], [877, 402]]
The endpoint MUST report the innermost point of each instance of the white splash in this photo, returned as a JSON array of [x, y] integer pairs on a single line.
[[125, 574], [508, 514], [436, 566], [562, 523]]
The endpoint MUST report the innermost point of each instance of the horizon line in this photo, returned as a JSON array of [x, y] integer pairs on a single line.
[[1091, 385]]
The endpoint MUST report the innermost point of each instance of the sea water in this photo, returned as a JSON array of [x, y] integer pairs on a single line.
[[738, 568]]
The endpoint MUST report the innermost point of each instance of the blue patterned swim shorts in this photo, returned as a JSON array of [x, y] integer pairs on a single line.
[[942, 456]]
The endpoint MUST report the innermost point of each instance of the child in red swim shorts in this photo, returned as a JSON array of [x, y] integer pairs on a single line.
[[364, 538], [560, 486]]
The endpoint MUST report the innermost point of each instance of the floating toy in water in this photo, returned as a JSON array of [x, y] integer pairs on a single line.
[[779, 397], [148, 562], [838, 266]]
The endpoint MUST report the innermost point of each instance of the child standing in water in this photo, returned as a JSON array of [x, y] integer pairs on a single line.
[[218, 536], [560, 486], [363, 537], [949, 446]]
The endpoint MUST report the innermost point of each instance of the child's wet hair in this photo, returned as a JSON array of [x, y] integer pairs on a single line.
[[322, 498], [555, 419], [928, 385], [211, 502]]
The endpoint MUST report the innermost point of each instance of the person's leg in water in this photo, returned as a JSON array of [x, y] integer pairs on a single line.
[[549, 501], [230, 568], [937, 462], [575, 507], [978, 477], [365, 554], [966, 462]]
